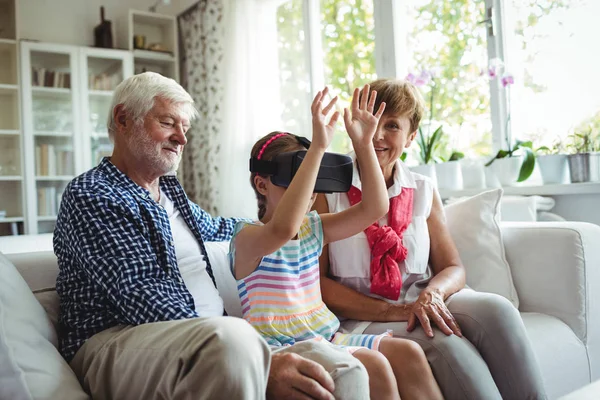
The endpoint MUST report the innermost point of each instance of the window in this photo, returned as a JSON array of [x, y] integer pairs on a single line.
[[551, 50], [294, 66], [447, 53], [346, 47]]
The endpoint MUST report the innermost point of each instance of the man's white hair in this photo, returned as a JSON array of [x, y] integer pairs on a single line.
[[137, 94]]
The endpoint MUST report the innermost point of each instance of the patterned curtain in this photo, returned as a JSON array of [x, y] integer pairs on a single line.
[[201, 30]]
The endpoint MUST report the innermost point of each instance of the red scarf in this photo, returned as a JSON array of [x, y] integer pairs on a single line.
[[386, 245]]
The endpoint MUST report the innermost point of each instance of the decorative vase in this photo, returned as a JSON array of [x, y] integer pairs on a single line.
[[554, 168], [449, 175], [507, 169], [584, 167], [473, 174], [426, 170]]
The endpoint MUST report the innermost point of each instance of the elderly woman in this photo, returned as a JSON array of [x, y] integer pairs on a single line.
[[405, 271]]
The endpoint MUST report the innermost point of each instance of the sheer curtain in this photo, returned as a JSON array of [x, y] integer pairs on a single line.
[[251, 106]]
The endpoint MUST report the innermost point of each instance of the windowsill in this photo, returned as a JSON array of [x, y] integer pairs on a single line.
[[542, 190]]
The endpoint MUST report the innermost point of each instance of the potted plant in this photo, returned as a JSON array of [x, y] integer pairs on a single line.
[[553, 163], [514, 164], [449, 172], [428, 143], [583, 162]]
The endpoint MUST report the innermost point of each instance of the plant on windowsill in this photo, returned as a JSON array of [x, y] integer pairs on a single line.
[[553, 163], [429, 142], [516, 163], [584, 158]]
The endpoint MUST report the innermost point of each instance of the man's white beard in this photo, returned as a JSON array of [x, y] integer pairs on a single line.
[[144, 149]]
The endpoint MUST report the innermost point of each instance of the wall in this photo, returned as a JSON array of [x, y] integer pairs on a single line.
[[582, 207], [73, 21]]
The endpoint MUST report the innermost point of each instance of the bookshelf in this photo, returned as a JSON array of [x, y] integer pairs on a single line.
[[54, 104], [102, 70], [156, 47], [67, 94], [12, 190], [51, 128]]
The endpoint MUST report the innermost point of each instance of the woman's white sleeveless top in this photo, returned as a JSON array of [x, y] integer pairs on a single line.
[[350, 259]]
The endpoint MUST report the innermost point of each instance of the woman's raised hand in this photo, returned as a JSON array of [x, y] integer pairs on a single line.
[[362, 124], [322, 130]]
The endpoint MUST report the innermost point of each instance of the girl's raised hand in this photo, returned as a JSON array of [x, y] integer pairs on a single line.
[[362, 124], [322, 130]]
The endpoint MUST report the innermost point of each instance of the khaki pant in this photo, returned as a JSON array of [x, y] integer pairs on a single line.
[[201, 358]]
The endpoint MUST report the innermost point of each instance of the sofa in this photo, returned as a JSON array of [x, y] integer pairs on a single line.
[[555, 269]]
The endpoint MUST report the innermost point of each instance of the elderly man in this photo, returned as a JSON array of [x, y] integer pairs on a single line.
[[130, 327]]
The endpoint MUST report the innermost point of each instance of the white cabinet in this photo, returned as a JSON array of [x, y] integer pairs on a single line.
[[67, 92], [12, 189], [54, 105], [51, 128], [153, 40], [104, 70]]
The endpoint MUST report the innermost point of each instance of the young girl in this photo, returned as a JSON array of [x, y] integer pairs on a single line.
[[276, 263]]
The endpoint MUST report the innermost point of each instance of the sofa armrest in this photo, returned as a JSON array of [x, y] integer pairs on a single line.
[[556, 271]]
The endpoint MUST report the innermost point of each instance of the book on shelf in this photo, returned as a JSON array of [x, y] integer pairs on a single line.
[[50, 78], [48, 201], [53, 160], [104, 81]]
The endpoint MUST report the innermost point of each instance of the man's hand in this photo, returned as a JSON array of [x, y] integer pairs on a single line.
[[296, 378]]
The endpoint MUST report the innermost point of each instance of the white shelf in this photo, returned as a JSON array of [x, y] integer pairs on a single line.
[[147, 55], [97, 135], [11, 219], [11, 178], [50, 91], [43, 218], [10, 89], [53, 133], [151, 18], [541, 190], [101, 93], [8, 41], [9, 132], [54, 178]]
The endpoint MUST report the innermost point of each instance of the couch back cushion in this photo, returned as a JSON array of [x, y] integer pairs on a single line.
[[31, 367], [474, 225]]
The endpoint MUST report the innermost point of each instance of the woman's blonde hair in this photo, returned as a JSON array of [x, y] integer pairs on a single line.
[[401, 98], [282, 144]]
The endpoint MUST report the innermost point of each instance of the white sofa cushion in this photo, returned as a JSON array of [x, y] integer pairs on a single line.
[[31, 367], [218, 254], [562, 357], [473, 225]]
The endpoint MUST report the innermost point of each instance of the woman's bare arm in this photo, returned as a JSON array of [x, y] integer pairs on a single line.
[[449, 273], [349, 303]]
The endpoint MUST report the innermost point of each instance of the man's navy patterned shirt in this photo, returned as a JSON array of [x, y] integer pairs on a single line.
[[116, 256]]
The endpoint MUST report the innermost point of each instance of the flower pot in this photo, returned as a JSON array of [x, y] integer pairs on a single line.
[[449, 175], [554, 168], [427, 170], [507, 169], [584, 167], [473, 174]]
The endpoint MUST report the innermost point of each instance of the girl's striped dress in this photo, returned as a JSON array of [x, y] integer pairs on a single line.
[[282, 297]]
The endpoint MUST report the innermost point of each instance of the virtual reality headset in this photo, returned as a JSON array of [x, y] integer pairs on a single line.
[[335, 172]]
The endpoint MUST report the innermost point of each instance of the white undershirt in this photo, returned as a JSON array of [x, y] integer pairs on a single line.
[[191, 263]]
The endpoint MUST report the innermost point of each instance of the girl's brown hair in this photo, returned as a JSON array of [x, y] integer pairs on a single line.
[[280, 145], [401, 98]]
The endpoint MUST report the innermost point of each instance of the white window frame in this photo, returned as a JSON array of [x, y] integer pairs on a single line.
[[390, 51]]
